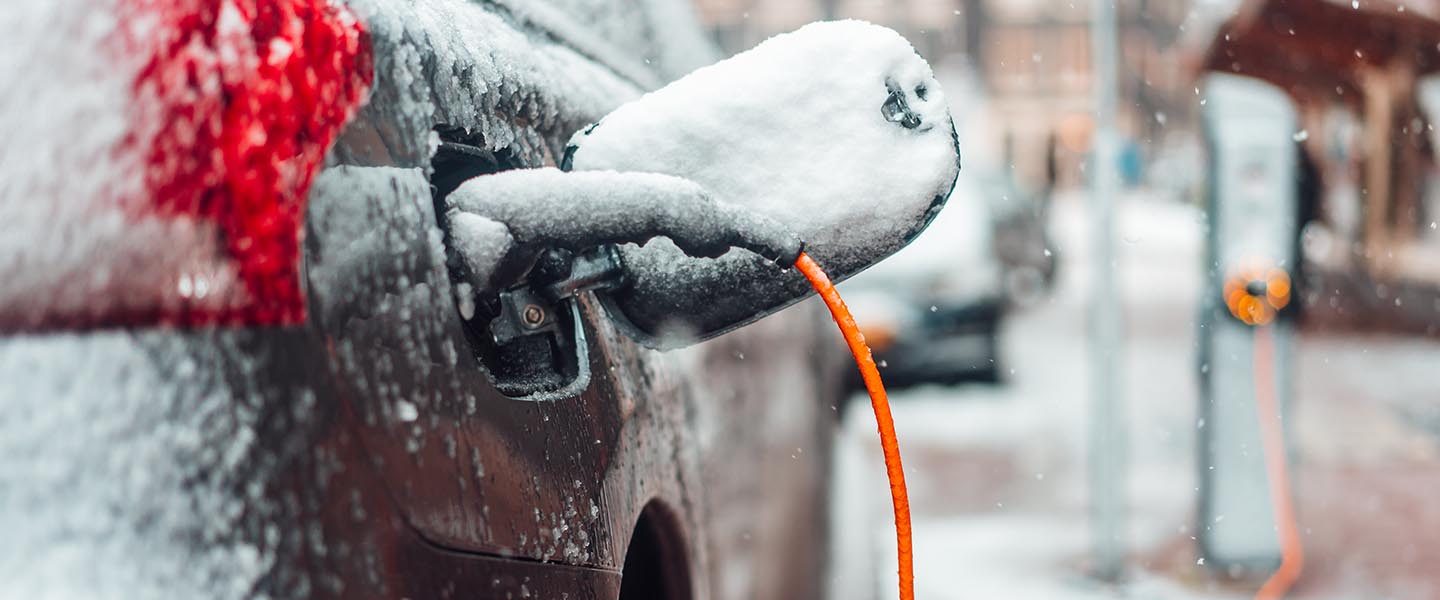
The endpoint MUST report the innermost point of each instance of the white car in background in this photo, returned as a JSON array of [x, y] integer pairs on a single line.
[[931, 312]]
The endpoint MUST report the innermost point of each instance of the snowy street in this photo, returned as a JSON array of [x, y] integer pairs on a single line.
[[997, 473]]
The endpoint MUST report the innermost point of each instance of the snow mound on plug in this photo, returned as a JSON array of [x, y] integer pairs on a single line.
[[794, 129], [482, 242], [805, 129]]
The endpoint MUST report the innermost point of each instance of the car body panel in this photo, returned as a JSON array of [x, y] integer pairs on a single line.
[[366, 453]]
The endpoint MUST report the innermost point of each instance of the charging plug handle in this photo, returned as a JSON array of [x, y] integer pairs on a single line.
[[545, 209]]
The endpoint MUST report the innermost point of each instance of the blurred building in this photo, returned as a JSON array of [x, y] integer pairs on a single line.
[[935, 27], [1035, 58], [1032, 58]]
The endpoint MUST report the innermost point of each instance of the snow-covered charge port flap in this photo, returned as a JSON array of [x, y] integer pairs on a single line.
[[156, 156], [837, 130]]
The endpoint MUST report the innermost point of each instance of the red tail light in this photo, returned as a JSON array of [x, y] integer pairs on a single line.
[[230, 115]]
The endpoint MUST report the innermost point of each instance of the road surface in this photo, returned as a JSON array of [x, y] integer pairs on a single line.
[[997, 475]]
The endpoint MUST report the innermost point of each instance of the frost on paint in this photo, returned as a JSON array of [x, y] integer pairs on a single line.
[[145, 490], [213, 464], [151, 463], [838, 131], [51, 225], [94, 150], [452, 62], [195, 107]]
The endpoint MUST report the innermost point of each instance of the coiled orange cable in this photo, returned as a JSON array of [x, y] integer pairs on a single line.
[[1272, 437], [889, 444]]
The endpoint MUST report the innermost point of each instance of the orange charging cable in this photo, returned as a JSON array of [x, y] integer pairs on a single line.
[[1259, 309], [1272, 437], [889, 444]]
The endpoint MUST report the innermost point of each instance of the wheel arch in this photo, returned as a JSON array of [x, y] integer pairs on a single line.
[[658, 563]]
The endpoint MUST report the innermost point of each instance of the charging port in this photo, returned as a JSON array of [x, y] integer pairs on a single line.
[[527, 337]]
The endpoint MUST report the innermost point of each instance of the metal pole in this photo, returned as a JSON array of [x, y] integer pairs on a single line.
[[1107, 426]]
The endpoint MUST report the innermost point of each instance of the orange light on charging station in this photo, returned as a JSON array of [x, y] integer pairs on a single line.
[[1254, 307]]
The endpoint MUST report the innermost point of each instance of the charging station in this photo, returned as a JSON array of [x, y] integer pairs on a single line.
[[1250, 131]]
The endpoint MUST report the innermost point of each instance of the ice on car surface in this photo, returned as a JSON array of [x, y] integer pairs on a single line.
[[110, 483]]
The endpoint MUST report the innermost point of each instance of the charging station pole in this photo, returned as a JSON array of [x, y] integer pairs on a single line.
[[1249, 127], [1107, 424]]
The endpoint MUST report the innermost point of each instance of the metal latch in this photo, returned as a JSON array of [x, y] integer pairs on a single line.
[[532, 308]]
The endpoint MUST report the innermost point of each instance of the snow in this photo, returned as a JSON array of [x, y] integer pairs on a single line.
[[130, 492], [372, 237], [99, 98], [496, 67], [549, 208], [58, 217], [997, 473], [482, 243], [129, 461], [793, 129]]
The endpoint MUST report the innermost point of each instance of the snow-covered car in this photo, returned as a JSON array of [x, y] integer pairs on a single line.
[[932, 311], [200, 402]]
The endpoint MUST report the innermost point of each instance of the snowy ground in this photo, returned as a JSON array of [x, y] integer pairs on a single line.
[[997, 473]]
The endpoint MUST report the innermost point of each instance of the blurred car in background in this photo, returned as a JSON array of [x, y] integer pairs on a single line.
[[932, 311], [1020, 240]]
